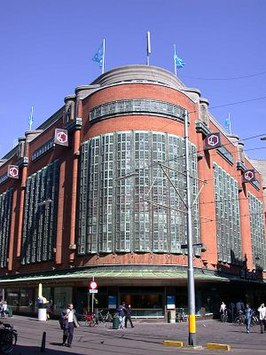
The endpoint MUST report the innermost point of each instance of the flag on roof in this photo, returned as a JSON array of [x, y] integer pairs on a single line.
[[178, 62], [31, 118], [228, 124], [99, 56]]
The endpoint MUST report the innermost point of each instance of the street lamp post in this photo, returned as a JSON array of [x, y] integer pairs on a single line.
[[190, 270]]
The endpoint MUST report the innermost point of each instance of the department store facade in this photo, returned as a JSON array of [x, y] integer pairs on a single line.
[[98, 191]]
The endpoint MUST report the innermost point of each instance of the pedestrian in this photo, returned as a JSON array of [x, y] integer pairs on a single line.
[[69, 321], [128, 316], [223, 312], [49, 309], [222, 308], [262, 317], [248, 315], [64, 325], [4, 310], [232, 311], [121, 312], [239, 307]]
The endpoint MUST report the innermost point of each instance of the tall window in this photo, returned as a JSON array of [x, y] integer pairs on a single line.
[[39, 227], [257, 231], [227, 217], [131, 189], [5, 218]]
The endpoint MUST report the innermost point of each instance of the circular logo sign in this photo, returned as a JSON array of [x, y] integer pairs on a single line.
[[249, 175], [93, 285], [13, 171], [213, 140], [61, 137]]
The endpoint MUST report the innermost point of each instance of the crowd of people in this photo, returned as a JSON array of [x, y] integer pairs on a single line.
[[68, 321], [235, 309], [124, 314]]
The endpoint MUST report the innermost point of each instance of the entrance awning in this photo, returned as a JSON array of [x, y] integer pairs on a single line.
[[112, 273]]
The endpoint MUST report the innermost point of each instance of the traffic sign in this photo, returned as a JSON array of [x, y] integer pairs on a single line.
[[93, 291], [93, 285]]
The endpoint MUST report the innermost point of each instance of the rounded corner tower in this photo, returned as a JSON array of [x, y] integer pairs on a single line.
[[132, 188]]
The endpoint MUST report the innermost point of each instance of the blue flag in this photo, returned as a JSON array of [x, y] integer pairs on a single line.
[[228, 125], [98, 57], [31, 118], [179, 63]]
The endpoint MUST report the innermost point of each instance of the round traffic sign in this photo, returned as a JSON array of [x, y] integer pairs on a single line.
[[93, 285]]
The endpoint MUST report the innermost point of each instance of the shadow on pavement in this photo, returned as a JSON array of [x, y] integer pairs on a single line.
[[30, 350]]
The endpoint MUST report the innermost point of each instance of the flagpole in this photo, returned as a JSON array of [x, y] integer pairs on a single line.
[[103, 65], [175, 70], [148, 48]]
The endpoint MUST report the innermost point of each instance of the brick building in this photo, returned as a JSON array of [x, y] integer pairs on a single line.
[[99, 190]]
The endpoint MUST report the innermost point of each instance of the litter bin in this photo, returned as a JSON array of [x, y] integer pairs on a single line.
[[42, 312], [115, 322], [9, 312]]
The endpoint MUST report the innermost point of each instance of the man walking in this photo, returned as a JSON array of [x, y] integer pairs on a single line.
[[68, 328], [248, 316], [262, 317], [128, 316]]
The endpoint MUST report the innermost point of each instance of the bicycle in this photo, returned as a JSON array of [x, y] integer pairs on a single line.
[[108, 317], [102, 317], [254, 319], [224, 316], [8, 338], [181, 315], [87, 320], [240, 318]]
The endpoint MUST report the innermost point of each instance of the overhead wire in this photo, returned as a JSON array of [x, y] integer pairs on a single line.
[[197, 152], [227, 79]]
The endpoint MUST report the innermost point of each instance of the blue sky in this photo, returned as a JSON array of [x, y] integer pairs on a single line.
[[47, 48]]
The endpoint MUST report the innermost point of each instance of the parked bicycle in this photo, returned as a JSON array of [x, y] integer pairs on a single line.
[[255, 319], [88, 320], [104, 316], [240, 318], [181, 316], [224, 316], [8, 338]]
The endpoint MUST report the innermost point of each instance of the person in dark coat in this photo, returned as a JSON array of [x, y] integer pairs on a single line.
[[240, 307], [64, 326], [128, 316], [232, 311], [69, 322]]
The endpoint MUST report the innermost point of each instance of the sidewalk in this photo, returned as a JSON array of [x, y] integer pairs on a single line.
[[143, 339]]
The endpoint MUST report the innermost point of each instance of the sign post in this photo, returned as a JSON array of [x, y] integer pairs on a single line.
[[93, 288]]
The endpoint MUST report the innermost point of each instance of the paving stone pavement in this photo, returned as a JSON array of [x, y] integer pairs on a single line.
[[144, 339]]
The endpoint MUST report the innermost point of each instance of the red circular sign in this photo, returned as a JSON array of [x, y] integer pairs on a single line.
[[93, 285]]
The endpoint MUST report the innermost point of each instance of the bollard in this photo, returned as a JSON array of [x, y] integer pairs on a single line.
[[43, 342]]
